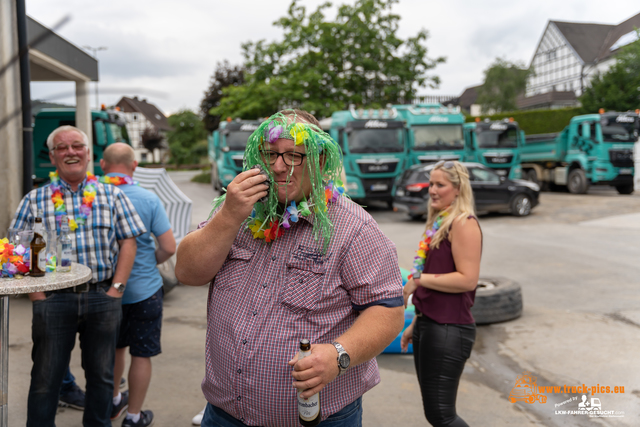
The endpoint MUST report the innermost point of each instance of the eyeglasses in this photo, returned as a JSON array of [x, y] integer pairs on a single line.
[[445, 164], [290, 158], [63, 148]]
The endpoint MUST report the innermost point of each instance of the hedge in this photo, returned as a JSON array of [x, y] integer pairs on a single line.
[[538, 121]]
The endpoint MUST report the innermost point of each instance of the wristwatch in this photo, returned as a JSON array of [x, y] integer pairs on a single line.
[[343, 358], [120, 287]]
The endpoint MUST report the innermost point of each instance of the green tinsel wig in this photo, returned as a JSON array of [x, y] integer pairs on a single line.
[[269, 219]]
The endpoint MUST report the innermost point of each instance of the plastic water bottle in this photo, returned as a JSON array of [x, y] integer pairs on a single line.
[[64, 247]]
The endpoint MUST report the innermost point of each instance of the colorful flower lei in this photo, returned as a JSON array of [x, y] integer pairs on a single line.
[[293, 213], [14, 259], [423, 247], [117, 180], [88, 195]]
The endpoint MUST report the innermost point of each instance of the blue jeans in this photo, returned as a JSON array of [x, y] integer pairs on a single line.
[[56, 320], [349, 416], [68, 382]]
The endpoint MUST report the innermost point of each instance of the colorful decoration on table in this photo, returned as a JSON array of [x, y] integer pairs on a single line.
[[51, 263], [423, 247], [88, 196], [269, 219], [14, 260]]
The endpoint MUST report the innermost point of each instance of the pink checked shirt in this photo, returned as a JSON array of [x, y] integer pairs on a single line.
[[268, 296]]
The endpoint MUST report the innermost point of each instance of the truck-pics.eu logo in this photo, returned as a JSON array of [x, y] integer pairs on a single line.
[[526, 389]]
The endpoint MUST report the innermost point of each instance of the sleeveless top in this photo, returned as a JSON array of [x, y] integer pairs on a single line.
[[444, 307]]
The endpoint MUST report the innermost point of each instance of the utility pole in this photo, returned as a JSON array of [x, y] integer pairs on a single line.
[[95, 55]]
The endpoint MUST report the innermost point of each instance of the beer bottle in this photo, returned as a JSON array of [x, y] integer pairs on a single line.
[[38, 250], [308, 409]]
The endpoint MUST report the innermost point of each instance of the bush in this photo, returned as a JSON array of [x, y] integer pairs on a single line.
[[203, 177], [538, 121]]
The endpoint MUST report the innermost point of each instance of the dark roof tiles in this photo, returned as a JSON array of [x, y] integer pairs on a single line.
[[150, 111]]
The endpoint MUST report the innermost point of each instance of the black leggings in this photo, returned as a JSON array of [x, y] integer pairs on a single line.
[[440, 352]]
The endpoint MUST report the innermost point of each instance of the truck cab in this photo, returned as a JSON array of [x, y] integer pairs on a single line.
[[108, 127], [226, 150], [435, 132], [374, 145], [496, 145]]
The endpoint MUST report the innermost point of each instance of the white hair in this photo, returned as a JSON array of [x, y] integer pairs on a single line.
[[66, 128]]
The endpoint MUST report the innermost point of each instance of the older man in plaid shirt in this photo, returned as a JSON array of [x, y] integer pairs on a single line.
[[265, 297], [106, 243]]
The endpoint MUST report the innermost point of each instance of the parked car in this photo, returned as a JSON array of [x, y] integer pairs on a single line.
[[492, 192]]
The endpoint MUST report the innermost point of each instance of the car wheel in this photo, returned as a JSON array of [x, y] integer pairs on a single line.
[[521, 205], [168, 272], [497, 300], [625, 189], [577, 182]]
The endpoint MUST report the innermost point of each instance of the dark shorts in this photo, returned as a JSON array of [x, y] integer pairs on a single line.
[[140, 327]]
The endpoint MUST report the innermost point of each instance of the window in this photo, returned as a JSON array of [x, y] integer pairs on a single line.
[[484, 175], [134, 117]]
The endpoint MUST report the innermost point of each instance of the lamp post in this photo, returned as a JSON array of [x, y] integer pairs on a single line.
[[95, 55]]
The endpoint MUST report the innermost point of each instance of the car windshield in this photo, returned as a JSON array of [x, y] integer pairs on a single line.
[[505, 136], [617, 131], [438, 137], [375, 141], [237, 140], [483, 175]]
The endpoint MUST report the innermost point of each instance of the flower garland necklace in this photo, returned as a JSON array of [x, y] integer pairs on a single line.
[[423, 248], [117, 180], [88, 195], [291, 214]]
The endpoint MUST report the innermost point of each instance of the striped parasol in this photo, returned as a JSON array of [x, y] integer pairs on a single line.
[[176, 203]]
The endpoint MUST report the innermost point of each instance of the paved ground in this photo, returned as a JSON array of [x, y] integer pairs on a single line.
[[576, 260]]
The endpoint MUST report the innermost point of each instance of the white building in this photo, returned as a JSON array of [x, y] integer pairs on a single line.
[[569, 54], [143, 116]]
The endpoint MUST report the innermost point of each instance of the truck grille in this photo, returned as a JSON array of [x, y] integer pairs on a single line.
[[378, 167], [499, 160], [621, 158]]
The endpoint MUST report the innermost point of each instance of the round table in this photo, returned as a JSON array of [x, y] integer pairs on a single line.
[[78, 275]]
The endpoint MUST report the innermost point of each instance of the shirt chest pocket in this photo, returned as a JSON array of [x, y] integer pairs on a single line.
[[303, 285], [234, 270]]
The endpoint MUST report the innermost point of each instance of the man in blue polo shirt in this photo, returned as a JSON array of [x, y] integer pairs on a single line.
[[142, 300]]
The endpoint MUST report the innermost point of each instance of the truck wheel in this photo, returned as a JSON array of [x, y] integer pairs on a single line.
[[625, 189], [497, 300], [577, 182], [168, 272], [521, 205]]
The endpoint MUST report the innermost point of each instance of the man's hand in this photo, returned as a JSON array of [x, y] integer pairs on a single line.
[[408, 290], [113, 292], [243, 192], [37, 296], [407, 337], [315, 371]]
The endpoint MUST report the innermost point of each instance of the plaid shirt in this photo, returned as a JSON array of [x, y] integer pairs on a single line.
[[95, 244], [267, 297]]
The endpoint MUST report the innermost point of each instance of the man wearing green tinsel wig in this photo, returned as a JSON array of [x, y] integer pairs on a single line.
[[288, 257]]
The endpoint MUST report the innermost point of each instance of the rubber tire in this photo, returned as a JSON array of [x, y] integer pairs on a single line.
[[521, 198], [168, 272], [500, 303], [625, 189], [577, 182], [417, 217]]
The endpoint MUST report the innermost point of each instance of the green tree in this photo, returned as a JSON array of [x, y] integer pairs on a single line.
[[618, 88], [503, 82], [225, 75], [188, 139], [323, 65]]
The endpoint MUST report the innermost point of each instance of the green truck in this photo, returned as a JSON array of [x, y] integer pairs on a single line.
[[108, 127], [226, 150], [495, 144], [435, 132], [594, 149], [375, 149]]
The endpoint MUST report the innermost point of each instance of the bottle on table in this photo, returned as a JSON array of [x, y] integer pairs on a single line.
[[64, 247], [308, 409], [38, 250]]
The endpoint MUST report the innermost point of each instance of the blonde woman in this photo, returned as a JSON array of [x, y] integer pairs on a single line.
[[444, 280]]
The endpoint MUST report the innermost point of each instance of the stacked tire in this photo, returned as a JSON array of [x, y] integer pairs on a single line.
[[497, 300]]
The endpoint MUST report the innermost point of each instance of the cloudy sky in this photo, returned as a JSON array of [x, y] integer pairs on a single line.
[[166, 50]]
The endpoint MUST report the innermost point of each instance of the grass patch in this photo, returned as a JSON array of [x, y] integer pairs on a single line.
[[204, 177]]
